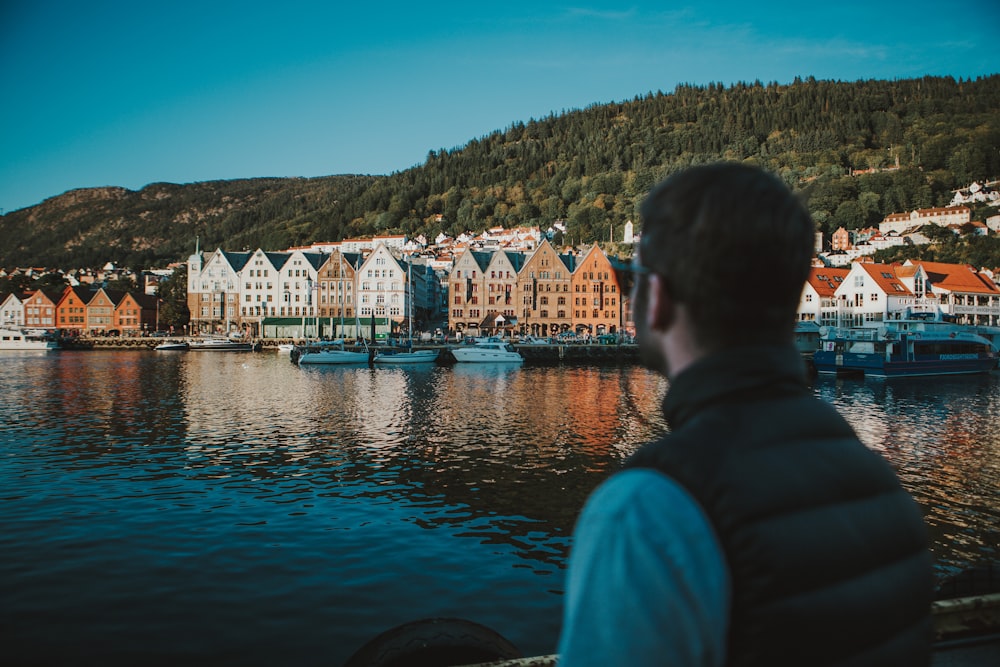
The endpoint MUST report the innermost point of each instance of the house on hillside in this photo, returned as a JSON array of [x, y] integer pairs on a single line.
[[941, 216]]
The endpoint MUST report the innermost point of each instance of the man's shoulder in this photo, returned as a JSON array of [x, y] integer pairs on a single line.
[[643, 495]]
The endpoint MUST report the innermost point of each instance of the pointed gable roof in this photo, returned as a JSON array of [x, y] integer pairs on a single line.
[[825, 281], [957, 278], [84, 294], [115, 296], [277, 259], [885, 277], [237, 260], [569, 261], [516, 259], [45, 293], [315, 259], [482, 258], [145, 301]]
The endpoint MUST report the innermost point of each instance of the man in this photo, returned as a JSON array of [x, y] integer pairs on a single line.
[[760, 530]]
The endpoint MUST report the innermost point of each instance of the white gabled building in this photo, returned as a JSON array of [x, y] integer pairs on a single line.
[[869, 293], [818, 302], [382, 292], [12, 312], [941, 216], [258, 295], [956, 290], [873, 293], [214, 290], [296, 293]]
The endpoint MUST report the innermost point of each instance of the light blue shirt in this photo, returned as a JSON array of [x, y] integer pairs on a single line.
[[647, 581]]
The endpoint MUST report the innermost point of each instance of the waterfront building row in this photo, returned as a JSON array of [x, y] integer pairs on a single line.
[[304, 292], [80, 309], [543, 293], [868, 294]]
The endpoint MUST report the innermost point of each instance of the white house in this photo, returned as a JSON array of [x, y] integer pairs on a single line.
[[381, 291], [942, 216], [957, 290], [868, 294], [818, 301], [213, 290], [12, 312]]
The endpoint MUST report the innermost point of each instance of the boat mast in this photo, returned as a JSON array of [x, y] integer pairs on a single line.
[[409, 315], [340, 260]]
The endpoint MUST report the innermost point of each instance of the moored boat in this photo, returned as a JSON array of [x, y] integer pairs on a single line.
[[904, 348], [408, 356], [16, 339], [490, 350], [172, 346], [329, 352], [393, 357], [219, 344]]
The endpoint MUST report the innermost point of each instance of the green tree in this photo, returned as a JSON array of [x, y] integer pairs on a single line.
[[172, 293]]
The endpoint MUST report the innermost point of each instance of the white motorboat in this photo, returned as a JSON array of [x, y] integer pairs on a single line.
[[331, 352], [15, 339], [491, 350], [172, 346], [219, 344]]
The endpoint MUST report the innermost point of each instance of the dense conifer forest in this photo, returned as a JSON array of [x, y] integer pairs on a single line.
[[588, 167]]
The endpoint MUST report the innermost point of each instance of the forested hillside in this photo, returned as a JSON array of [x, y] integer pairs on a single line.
[[589, 167]]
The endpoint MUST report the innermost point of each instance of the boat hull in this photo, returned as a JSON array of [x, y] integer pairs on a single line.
[[876, 366], [171, 347], [403, 358], [220, 347], [477, 356], [319, 357], [892, 352]]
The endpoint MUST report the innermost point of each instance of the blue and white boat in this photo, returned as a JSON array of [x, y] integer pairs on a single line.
[[329, 352], [905, 348]]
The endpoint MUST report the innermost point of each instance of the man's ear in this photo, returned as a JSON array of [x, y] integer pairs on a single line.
[[660, 314]]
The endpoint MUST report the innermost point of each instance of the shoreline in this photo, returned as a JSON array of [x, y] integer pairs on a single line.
[[533, 353]]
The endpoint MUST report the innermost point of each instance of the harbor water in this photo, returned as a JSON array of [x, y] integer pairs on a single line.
[[232, 508]]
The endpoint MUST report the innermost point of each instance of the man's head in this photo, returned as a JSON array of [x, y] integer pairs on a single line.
[[731, 246]]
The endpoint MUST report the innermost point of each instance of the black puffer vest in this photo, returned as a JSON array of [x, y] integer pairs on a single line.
[[827, 552]]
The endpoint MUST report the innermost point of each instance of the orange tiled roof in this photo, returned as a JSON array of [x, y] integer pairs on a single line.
[[885, 277], [958, 278], [825, 280]]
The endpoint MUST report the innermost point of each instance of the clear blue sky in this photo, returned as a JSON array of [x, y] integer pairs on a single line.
[[129, 93]]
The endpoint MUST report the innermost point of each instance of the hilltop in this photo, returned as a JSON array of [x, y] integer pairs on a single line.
[[916, 139]]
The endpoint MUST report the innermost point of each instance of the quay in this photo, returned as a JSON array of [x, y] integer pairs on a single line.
[[540, 354]]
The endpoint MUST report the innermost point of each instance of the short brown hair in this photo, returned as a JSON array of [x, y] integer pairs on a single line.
[[733, 244]]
